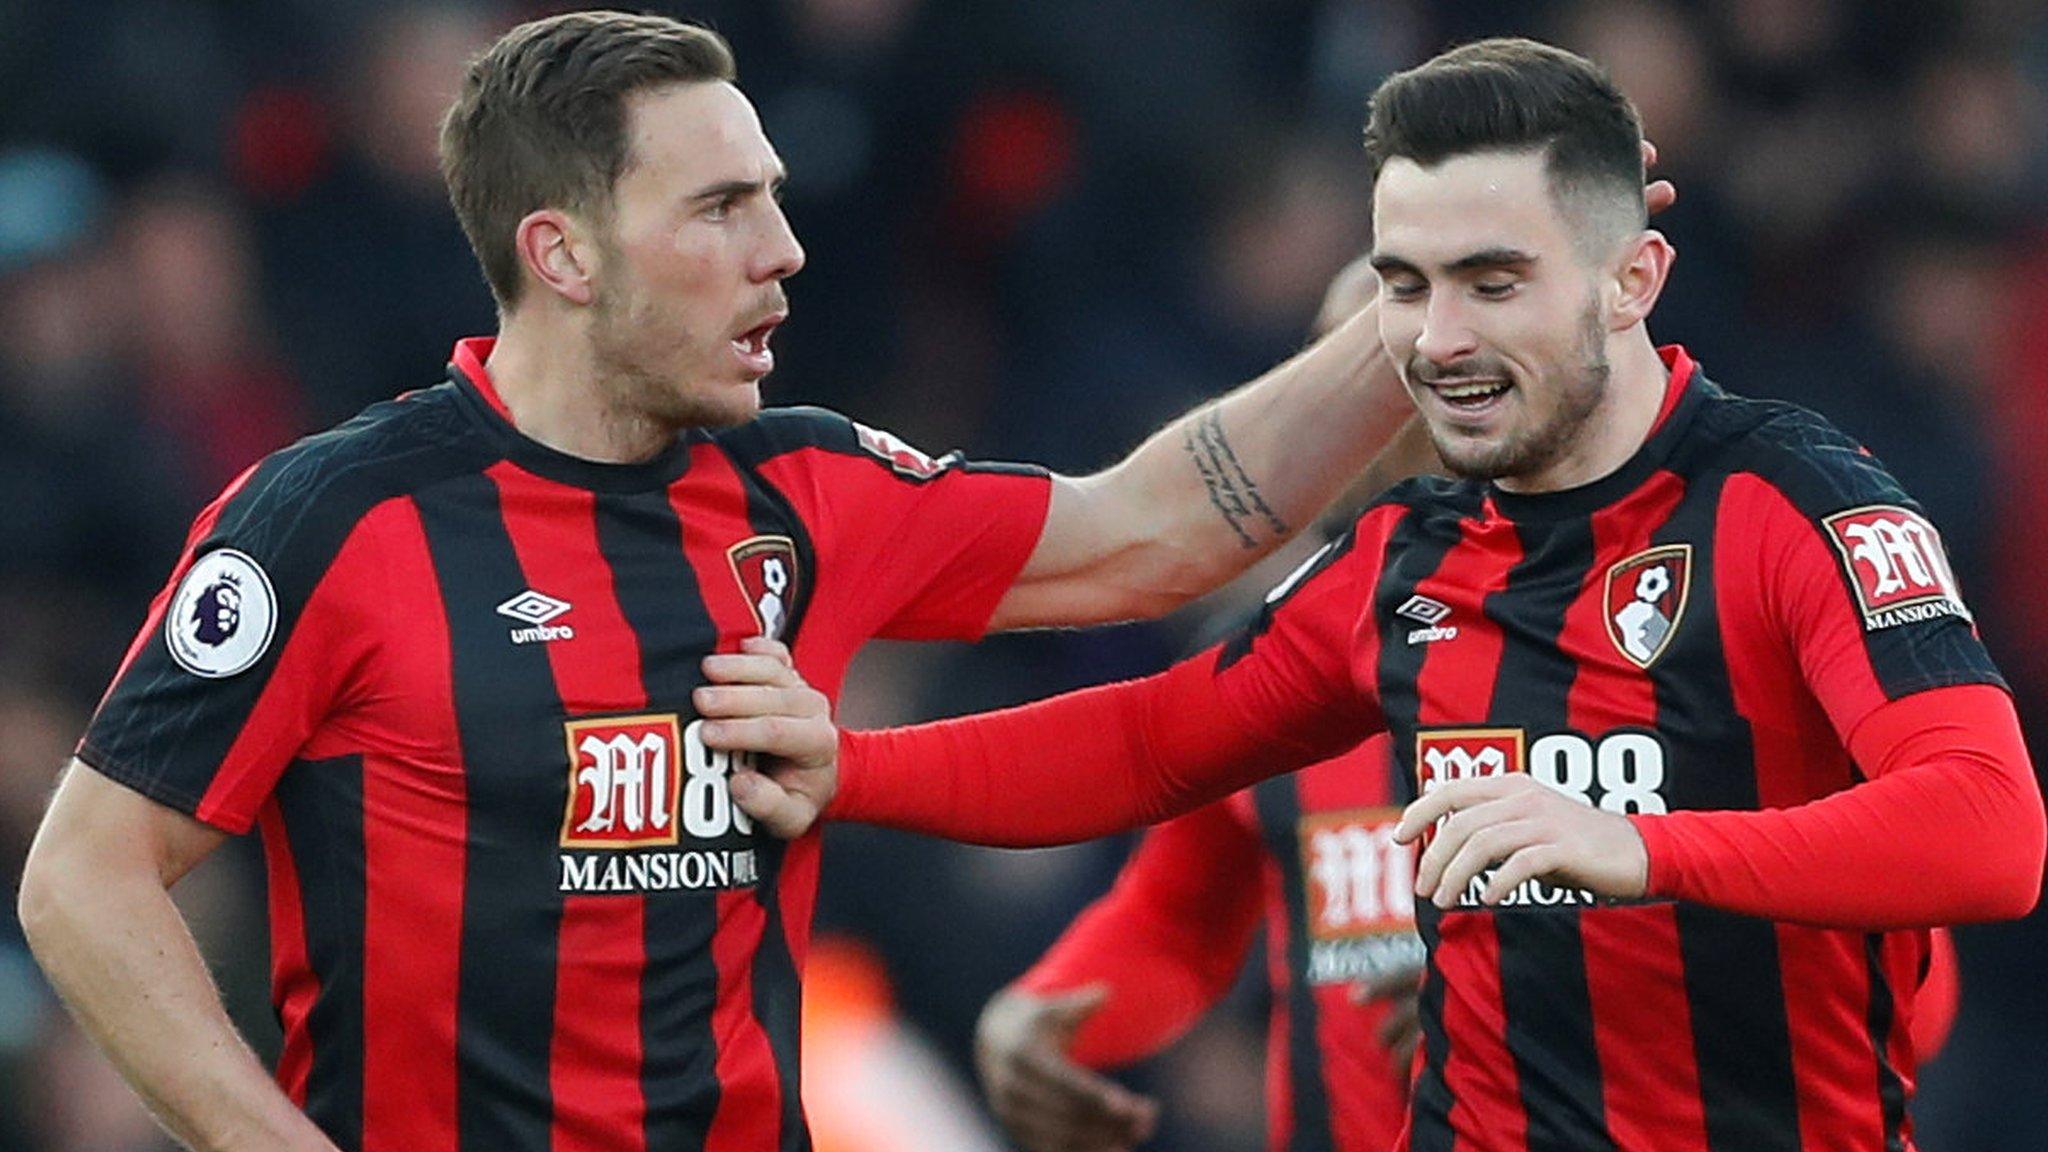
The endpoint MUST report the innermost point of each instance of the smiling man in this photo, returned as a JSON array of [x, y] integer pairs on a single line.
[[442, 656], [1694, 722]]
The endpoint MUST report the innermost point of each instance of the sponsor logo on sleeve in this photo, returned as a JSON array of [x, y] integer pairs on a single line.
[[901, 456], [222, 617], [1896, 565], [650, 810], [1645, 599], [766, 569], [1360, 895]]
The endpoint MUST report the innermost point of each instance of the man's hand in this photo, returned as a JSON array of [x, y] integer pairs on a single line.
[[1401, 1031], [1529, 830], [756, 703], [1046, 1101]]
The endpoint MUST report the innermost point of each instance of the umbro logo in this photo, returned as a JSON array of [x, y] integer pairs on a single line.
[[535, 610], [1430, 614]]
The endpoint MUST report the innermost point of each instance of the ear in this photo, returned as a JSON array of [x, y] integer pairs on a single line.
[[1640, 279], [559, 252]]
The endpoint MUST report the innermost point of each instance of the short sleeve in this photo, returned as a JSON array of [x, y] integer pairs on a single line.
[[909, 546], [243, 653], [1856, 581]]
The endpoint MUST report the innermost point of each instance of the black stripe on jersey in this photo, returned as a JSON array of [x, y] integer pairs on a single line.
[[1741, 1033], [778, 992], [321, 802], [1278, 802], [1544, 992], [164, 731], [508, 713], [1822, 472], [1883, 1019], [1414, 551], [641, 539]]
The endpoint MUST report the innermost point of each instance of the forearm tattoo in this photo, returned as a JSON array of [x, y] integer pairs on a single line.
[[1231, 491]]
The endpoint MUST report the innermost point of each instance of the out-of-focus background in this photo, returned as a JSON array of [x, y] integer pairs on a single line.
[[1035, 230]]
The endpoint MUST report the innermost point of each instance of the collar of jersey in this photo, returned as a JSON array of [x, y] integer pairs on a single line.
[[1682, 399], [473, 384]]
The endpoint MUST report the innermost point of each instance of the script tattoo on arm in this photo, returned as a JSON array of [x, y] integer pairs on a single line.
[[1231, 491]]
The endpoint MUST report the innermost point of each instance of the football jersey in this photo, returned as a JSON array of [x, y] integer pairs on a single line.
[[446, 671], [1700, 630]]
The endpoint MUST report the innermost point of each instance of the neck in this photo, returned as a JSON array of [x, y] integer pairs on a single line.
[[545, 371], [1636, 384]]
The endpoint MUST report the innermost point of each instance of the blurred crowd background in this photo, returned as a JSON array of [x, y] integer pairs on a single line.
[[1035, 231]]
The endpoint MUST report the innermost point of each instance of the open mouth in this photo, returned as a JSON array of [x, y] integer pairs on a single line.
[[1472, 395], [752, 345]]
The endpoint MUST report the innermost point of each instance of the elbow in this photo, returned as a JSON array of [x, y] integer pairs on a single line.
[[39, 901], [2010, 886]]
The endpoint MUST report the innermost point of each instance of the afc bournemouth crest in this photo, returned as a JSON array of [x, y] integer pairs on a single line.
[[1645, 600], [766, 568]]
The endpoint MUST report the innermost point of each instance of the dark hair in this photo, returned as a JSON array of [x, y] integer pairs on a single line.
[[541, 121], [1507, 95]]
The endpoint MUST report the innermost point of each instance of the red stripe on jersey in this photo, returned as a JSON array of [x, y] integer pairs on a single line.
[[750, 1094], [1457, 682], [415, 827], [293, 986], [799, 892], [1279, 1033], [1457, 678], [1635, 973], [1635, 978], [1486, 1107], [594, 1062], [1833, 1062]]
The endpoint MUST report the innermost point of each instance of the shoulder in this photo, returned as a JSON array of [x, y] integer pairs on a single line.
[[311, 493], [1819, 469]]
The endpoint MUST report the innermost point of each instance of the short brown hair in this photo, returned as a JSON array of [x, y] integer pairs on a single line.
[[541, 121], [1510, 94]]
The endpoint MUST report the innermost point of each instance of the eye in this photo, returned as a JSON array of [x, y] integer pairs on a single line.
[[720, 208], [1405, 289], [1496, 289]]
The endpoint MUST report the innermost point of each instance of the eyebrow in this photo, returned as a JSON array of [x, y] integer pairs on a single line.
[[1483, 259], [726, 188]]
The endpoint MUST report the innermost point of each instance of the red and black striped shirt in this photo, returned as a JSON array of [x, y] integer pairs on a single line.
[[1702, 629], [446, 670], [1312, 856]]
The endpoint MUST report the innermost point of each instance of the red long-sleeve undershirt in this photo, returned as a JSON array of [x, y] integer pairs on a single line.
[[1948, 828]]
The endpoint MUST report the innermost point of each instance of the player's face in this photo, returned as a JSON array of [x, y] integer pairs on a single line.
[[1491, 314], [690, 287]]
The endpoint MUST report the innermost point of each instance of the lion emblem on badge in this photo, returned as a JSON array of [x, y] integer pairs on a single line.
[[218, 612]]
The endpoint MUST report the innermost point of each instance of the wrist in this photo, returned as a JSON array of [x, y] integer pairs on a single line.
[[1652, 834]]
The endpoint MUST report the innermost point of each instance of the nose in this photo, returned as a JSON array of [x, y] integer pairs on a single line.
[[1446, 336], [781, 255]]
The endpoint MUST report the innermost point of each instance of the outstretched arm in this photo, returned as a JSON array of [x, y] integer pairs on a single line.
[[96, 907], [1213, 492]]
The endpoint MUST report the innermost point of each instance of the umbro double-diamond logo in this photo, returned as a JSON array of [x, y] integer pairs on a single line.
[[535, 610]]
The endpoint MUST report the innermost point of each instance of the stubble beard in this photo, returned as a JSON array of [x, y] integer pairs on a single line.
[[636, 353], [1581, 389]]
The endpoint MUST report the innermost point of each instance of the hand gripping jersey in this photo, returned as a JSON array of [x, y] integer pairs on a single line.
[[1747, 639], [1312, 856], [447, 672]]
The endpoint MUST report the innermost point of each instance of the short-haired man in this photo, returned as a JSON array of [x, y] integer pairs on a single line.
[[513, 906], [1701, 732]]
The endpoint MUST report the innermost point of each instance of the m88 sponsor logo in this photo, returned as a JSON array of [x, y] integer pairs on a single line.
[[650, 809], [1622, 771]]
